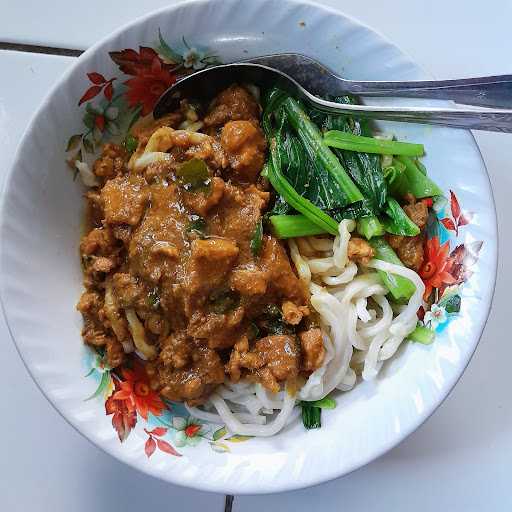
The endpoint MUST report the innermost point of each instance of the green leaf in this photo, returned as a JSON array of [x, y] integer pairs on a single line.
[[166, 51], [238, 439], [257, 239], [104, 382], [218, 434], [89, 120], [224, 301], [88, 146], [73, 142], [193, 174]]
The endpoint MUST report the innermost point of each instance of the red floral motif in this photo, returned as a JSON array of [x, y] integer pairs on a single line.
[[435, 272], [152, 443], [100, 83], [461, 259], [137, 394], [124, 418], [459, 218], [151, 76]]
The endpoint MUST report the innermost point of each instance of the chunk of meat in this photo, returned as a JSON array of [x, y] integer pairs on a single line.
[[292, 314], [244, 145], [129, 291], [176, 351], [163, 226], [237, 215], [111, 161], [221, 330], [409, 249], [210, 262], [195, 381], [417, 211], [201, 202], [99, 241], [313, 351], [234, 103], [360, 250], [249, 280], [282, 279], [280, 356], [114, 353], [124, 200], [274, 359]]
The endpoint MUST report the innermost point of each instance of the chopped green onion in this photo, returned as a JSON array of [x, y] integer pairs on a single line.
[[130, 143], [369, 227], [311, 415], [292, 226], [257, 239], [360, 144], [197, 225], [422, 335], [193, 174]]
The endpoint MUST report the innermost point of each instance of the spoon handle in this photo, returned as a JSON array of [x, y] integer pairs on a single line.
[[485, 91], [472, 119]]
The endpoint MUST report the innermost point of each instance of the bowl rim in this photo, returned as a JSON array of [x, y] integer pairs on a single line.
[[290, 485]]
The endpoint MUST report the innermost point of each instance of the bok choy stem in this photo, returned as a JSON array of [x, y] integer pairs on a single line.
[[399, 287], [360, 144], [291, 226]]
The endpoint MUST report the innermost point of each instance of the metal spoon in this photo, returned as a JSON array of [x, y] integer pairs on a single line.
[[485, 91], [209, 81]]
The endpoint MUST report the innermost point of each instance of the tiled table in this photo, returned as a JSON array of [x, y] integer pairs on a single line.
[[461, 459]]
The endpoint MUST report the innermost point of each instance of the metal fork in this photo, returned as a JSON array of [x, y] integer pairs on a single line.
[[486, 91]]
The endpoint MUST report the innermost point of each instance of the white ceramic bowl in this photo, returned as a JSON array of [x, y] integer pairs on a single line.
[[41, 276]]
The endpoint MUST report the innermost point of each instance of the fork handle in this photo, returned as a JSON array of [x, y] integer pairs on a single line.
[[486, 91], [471, 119]]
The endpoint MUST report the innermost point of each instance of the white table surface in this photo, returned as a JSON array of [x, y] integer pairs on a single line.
[[460, 459]]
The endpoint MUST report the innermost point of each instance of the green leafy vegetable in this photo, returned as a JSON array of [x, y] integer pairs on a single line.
[[193, 174], [369, 227], [364, 168], [311, 138], [257, 239], [292, 226], [422, 335], [397, 222], [311, 415], [399, 287], [416, 183], [299, 203], [361, 144]]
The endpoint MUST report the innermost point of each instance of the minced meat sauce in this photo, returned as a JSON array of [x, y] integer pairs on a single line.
[[178, 272]]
